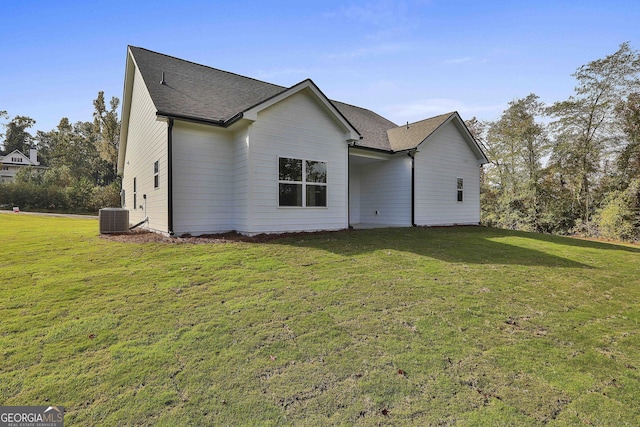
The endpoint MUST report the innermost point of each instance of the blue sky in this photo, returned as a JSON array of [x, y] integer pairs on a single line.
[[406, 60]]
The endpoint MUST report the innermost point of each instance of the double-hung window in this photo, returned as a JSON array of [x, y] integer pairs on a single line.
[[135, 194], [460, 184], [302, 183]]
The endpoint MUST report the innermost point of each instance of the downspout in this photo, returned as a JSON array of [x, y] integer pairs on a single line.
[[348, 189], [412, 154], [170, 176]]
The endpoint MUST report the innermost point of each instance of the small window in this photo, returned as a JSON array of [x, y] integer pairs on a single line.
[[460, 185], [135, 195], [302, 183], [156, 177]]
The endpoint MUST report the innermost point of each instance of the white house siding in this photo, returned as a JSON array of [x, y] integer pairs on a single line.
[[445, 157], [385, 187], [354, 194], [146, 144], [203, 179], [240, 220], [297, 127]]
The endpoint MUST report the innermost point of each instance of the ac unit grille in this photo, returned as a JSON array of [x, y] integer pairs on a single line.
[[114, 220]]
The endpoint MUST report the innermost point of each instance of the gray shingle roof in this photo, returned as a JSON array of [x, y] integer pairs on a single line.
[[198, 91], [203, 93], [411, 135]]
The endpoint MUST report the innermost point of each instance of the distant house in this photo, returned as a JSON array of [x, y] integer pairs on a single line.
[[207, 151], [16, 160]]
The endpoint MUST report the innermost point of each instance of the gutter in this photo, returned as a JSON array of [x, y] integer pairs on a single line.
[[382, 150], [170, 176], [193, 119]]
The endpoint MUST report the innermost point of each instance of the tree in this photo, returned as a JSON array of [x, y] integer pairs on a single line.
[[585, 124], [74, 146], [16, 136], [106, 127], [628, 161], [516, 145]]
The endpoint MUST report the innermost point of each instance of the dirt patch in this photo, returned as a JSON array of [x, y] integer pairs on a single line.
[[144, 236]]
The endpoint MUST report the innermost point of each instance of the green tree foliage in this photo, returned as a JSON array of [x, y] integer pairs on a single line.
[[16, 136], [579, 173], [516, 145], [628, 161], [106, 128], [620, 216], [586, 125], [81, 158]]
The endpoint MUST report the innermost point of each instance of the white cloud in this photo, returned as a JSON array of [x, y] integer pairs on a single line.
[[423, 109], [382, 49], [275, 73], [458, 60]]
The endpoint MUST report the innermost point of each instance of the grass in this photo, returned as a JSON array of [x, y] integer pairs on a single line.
[[453, 326]]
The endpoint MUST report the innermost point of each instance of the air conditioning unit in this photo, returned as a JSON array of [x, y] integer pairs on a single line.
[[114, 220]]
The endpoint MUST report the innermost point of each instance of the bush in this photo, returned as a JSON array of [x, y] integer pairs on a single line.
[[619, 218], [81, 196], [105, 197]]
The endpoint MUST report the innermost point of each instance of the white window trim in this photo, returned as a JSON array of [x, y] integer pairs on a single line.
[[459, 190], [135, 193], [156, 175], [303, 182]]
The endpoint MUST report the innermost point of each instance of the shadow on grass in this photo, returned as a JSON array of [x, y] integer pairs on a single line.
[[476, 245]]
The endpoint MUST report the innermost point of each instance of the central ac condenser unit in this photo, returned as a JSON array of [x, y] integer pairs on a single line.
[[114, 220]]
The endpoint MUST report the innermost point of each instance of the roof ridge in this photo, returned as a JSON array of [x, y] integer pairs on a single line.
[[364, 109], [431, 118], [207, 66]]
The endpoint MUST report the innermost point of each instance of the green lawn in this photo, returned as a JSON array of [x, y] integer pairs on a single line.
[[446, 326]]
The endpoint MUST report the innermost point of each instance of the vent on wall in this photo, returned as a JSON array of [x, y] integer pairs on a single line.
[[114, 220]]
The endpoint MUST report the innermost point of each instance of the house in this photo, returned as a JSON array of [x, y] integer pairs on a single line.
[[207, 151], [16, 160]]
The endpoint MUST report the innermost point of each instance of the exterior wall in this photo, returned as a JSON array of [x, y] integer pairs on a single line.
[[240, 184], [354, 194], [9, 172], [203, 179], [146, 144], [298, 127], [385, 187], [16, 160], [445, 157]]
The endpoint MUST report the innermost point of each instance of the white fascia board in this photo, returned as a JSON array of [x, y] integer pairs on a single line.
[[126, 109]]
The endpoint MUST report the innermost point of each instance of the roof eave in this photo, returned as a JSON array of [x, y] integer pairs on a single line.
[[127, 93]]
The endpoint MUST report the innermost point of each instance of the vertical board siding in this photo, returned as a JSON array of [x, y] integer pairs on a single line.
[[203, 179], [146, 144], [439, 161], [385, 186], [296, 127]]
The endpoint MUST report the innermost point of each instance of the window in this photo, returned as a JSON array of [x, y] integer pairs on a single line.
[[302, 183], [16, 159], [460, 188], [156, 178], [135, 195]]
